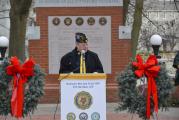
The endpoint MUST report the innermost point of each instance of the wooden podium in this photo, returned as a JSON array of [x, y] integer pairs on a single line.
[[83, 96]]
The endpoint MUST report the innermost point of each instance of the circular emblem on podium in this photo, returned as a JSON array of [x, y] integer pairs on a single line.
[[95, 116], [83, 116], [71, 116], [102, 21], [56, 21], [91, 21], [79, 21], [83, 100], [68, 21]]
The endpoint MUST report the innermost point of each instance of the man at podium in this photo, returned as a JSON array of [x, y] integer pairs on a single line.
[[80, 59]]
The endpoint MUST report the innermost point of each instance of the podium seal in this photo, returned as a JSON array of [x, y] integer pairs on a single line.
[[95, 116], [71, 116], [83, 100], [83, 116]]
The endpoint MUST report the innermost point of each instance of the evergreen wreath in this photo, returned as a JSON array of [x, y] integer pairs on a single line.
[[133, 97], [33, 90]]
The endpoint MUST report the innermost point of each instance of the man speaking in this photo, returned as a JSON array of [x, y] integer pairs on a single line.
[[80, 59]]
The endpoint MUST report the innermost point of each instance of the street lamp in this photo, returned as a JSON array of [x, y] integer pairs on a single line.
[[4, 42], [156, 41]]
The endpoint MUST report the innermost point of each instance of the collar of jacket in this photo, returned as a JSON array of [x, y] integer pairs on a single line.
[[77, 52]]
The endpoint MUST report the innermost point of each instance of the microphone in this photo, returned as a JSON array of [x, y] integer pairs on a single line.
[[77, 68], [83, 53]]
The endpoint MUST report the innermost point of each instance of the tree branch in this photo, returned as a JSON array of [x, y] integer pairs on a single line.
[[4, 10], [176, 5], [158, 27], [4, 27], [3, 17]]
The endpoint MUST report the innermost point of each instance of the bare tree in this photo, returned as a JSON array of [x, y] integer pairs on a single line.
[[136, 7], [136, 26], [167, 27], [125, 11], [19, 12], [146, 32], [169, 36], [4, 17]]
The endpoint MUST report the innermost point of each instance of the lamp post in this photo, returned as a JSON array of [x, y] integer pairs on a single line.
[[4, 42], [156, 41]]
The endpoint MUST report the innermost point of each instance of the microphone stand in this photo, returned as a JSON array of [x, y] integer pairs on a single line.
[[69, 73], [60, 80], [83, 61]]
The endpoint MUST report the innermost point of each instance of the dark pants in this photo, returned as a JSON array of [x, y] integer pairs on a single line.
[[177, 77]]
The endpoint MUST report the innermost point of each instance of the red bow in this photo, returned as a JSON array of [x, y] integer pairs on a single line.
[[20, 75], [151, 70]]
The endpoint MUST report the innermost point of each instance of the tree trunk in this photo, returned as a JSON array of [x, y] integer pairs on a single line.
[[136, 26], [125, 10], [18, 20]]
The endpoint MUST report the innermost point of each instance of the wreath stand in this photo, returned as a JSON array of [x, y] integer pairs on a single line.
[[17, 79], [133, 92]]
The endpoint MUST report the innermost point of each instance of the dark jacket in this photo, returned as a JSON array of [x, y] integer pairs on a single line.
[[71, 62], [175, 64]]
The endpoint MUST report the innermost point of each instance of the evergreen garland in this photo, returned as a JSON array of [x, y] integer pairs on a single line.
[[133, 98], [34, 90]]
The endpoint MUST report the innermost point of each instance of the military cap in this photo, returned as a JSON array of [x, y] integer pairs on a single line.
[[81, 38]]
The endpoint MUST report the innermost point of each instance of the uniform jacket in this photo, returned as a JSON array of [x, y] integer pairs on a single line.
[[175, 63], [71, 62]]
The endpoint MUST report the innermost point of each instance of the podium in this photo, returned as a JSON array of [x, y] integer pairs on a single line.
[[83, 96]]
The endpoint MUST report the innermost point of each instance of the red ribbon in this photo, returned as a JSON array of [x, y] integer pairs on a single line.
[[20, 74], [151, 70]]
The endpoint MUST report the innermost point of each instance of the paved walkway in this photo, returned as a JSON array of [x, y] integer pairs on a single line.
[[47, 111]]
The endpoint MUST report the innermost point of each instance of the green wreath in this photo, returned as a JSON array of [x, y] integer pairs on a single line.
[[133, 98], [32, 94]]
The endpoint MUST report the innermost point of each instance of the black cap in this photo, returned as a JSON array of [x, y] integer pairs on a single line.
[[81, 38]]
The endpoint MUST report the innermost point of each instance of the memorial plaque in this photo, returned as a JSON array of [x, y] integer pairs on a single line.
[[62, 39]]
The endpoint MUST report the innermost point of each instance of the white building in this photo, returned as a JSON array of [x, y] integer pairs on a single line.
[[4, 18], [163, 15]]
